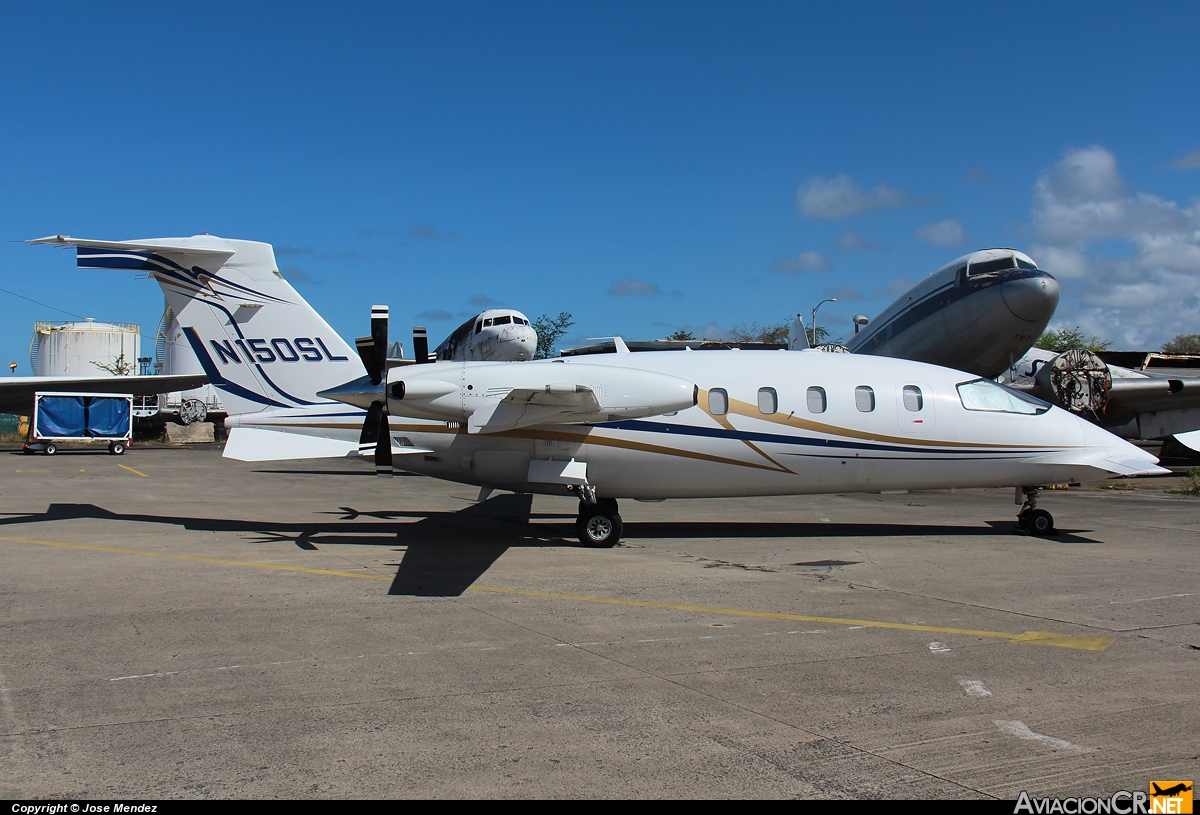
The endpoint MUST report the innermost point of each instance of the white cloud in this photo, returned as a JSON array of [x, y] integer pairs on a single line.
[[895, 287], [809, 261], [845, 294], [627, 286], [1084, 214], [1190, 161], [839, 197], [947, 232], [975, 175], [1063, 263], [853, 242]]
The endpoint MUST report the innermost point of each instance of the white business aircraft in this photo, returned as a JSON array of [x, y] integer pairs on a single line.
[[603, 427]]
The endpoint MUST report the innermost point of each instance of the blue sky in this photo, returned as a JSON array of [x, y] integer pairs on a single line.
[[645, 167]]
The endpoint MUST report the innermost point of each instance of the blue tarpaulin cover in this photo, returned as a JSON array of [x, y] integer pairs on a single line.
[[60, 417], [78, 417], [107, 417]]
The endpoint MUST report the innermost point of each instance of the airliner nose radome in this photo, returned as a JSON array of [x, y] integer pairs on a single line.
[[1033, 299]]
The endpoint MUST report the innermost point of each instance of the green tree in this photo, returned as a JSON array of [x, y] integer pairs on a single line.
[[549, 331], [816, 335], [1183, 344], [682, 334], [118, 367], [760, 333], [1070, 339]]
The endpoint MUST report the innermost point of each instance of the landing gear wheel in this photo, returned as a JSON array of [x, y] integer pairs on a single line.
[[599, 525], [51, 449], [1038, 522], [117, 448]]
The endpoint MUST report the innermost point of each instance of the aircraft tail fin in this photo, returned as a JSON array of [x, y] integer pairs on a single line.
[[260, 343]]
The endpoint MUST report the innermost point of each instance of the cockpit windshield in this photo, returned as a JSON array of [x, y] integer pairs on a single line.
[[991, 266], [984, 394]]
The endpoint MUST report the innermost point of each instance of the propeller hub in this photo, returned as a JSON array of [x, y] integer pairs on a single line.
[[360, 393]]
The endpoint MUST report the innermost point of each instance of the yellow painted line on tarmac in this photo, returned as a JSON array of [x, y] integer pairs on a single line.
[[1026, 637], [136, 472], [197, 558]]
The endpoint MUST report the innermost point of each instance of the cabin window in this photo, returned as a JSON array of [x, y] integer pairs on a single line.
[[768, 401], [864, 398], [816, 400], [718, 401], [984, 394], [913, 400], [505, 320]]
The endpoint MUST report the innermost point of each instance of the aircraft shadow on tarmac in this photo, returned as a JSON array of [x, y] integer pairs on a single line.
[[447, 552]]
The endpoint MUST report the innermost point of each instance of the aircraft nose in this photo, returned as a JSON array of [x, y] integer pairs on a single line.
[[1033, 299]]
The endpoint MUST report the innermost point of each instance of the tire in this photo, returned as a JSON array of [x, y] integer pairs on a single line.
[[51, 449], [1039, 522], [117, 448], [598, 526]]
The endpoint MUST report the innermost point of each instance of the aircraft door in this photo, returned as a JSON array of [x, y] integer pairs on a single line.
[[914, 407]]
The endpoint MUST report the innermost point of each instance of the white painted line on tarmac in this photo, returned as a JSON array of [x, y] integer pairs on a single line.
[[1144, 599], [973, 687], [1022, 731], [939, 647]]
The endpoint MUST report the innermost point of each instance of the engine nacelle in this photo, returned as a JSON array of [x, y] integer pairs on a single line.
[[1076, 380], [504, 395]]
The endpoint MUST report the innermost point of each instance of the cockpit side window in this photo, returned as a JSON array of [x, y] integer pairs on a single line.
[[1024, 264], [478, 326], [487, 322]]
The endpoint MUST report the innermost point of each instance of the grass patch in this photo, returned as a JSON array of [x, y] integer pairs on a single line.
[[1117, 485], [1191, 484]]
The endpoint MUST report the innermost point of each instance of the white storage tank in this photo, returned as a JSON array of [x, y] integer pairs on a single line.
[[88, 348]]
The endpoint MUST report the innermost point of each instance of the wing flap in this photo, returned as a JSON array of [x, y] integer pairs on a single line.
[[525, 407]]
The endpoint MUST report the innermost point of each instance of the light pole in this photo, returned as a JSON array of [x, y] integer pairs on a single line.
[[814, 318]]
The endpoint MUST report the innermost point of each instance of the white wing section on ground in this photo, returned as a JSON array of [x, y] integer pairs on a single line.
[[1190, 439]]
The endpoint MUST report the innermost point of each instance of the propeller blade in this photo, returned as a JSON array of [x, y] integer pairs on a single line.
[[369, 436], [421, 345], [383, 447], [379, 335], [370, 358]]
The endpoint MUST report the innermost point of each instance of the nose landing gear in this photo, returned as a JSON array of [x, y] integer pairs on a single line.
[[1033, 520]]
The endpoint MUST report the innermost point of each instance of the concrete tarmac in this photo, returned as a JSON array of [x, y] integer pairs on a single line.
[[179, 625]]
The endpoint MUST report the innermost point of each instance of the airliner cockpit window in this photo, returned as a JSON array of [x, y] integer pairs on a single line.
[[1024, 264], [984, 394], [505, 320], [487, 322], [990, 266]]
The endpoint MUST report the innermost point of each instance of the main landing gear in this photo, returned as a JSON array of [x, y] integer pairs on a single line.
[[599, 525], [1033, 520]]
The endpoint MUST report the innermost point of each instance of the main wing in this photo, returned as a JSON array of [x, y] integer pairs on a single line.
[[16, 393], [525, 407]]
